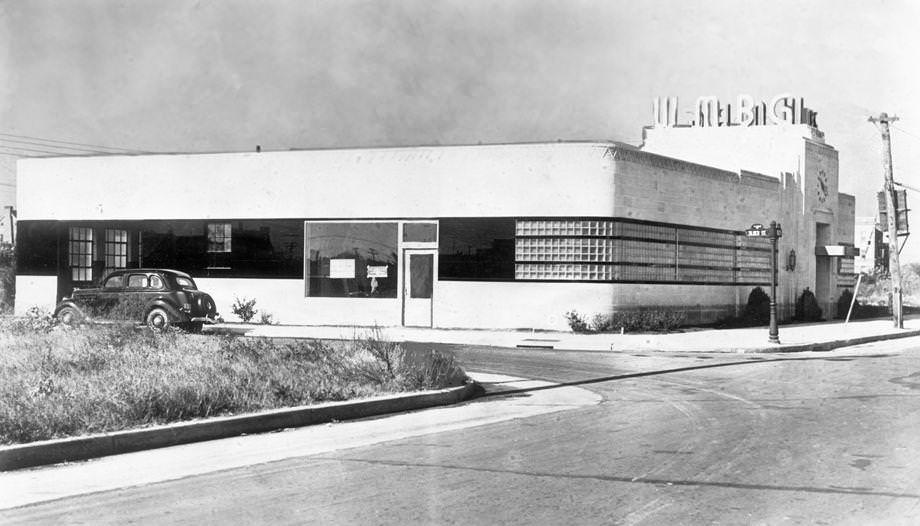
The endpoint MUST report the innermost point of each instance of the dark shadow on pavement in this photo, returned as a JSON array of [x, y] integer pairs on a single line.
[[748, 361]]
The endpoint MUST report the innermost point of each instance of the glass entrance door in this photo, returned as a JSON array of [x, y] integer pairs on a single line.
[[418, 286]]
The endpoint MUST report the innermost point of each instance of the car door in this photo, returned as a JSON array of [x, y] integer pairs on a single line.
[[136, 296], [105, 302]]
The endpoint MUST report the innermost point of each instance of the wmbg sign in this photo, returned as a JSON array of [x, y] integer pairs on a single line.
[[711, 112]]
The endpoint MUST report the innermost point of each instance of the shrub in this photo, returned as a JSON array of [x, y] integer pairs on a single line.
[[644, 321], [36, 320], [266, 318], [576, 322], [806, 307], [757, 310], [128, 308], [637, 321], [843, 305], [7, 283], [244, 308]]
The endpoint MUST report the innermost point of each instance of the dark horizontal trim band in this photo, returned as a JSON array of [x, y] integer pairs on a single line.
[[670, 242], [77, 222], [624, 281], [643, 265]]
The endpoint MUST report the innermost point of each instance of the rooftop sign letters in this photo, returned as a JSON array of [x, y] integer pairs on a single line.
[[711, 112]]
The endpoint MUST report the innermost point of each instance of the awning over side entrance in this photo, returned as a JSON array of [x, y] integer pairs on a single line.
[[836, 250]]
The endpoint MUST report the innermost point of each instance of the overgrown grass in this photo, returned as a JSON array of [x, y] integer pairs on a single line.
[[59, 382]]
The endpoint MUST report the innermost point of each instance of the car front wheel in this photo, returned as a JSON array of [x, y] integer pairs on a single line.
[[158, 319], [69, 316]]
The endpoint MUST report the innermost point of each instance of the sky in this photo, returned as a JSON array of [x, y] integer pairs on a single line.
[[193, 76]]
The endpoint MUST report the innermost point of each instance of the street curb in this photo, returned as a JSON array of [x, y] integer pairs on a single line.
[[822, 346], [81, 448]]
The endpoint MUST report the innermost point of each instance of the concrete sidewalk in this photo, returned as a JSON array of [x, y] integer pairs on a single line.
[[793, 338]]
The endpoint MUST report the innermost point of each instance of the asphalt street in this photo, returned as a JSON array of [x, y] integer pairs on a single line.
[[672, 438]]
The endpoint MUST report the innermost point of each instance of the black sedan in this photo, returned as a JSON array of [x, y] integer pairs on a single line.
[[158, 297]]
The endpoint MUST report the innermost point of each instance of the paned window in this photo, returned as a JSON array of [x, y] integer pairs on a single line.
[[219, 247], [219, 237], [116, 249], [80, 253]]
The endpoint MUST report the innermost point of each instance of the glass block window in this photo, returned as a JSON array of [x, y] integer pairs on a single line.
[[563, 249], [116, 249], [563, 271], [80, 253], [218, 237], [635, 251]]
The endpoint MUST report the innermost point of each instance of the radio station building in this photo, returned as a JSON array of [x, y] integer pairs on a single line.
[[485, 236]]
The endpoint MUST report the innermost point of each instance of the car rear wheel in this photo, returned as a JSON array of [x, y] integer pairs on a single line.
[[158, 319], [69, 316]]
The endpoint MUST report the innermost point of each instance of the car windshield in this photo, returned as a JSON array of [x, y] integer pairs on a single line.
[[185, 283]]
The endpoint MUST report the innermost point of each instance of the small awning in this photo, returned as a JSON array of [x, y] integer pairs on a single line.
[[836, 250]]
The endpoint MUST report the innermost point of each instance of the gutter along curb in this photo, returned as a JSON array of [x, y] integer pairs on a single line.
[[835, 344], [808, 347], [85, 447]]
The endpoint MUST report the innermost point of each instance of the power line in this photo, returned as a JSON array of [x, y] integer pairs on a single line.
[[51, 146], [31, 150], [900, 129], [73, 143]]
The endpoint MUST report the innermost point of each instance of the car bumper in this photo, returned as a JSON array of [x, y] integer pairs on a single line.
[[203, 319]]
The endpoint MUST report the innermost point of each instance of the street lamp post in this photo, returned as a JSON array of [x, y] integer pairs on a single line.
[[774, 232]]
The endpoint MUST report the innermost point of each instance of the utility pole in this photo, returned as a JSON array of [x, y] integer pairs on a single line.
[[894, 268]]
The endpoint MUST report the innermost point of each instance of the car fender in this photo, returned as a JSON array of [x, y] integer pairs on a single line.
[[67, 302], [173, 312]]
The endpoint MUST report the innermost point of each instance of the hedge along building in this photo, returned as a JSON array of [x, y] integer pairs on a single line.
[[490, 236]]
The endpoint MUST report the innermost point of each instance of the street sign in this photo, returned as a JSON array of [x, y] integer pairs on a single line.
[[758, 230]]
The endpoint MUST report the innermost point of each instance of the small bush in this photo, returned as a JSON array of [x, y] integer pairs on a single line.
[[244, 309], [843, 305], [7, 282], [576, 322], [128, 308], [266, 318], [645, 321], [806, 307], [36, 320], [757, 310], [632, 321]]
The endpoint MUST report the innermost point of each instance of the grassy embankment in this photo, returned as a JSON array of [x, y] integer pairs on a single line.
[[60, 382]]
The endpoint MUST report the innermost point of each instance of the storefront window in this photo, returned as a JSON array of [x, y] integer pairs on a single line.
[[352, 260], [479, 249]]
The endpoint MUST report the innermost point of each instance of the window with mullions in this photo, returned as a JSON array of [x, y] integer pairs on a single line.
[[116, 249], [80, 253], [219, 246], [219, 237]]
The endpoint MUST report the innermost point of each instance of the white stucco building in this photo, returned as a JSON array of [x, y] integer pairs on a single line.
[[490, 236]]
